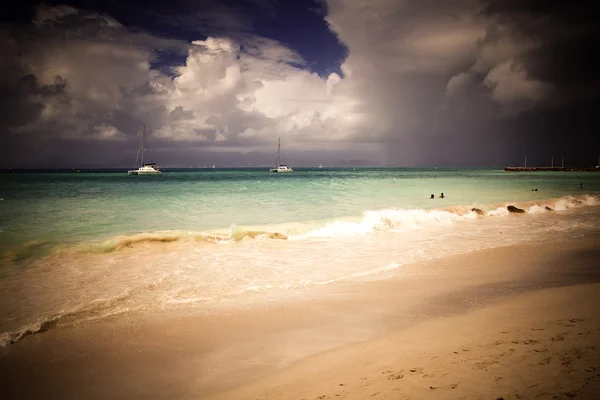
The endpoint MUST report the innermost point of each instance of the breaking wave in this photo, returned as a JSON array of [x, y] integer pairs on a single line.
[[399, 220], [386, 220]]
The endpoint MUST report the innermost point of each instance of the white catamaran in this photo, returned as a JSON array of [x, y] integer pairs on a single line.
[[279, 167], [144, 169]]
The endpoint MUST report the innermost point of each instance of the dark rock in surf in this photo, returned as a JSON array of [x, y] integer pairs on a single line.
[[479, 211], [516, 210]]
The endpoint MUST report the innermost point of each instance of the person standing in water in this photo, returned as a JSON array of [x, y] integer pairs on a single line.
[[442, 195], [581, 186], [432, 196]]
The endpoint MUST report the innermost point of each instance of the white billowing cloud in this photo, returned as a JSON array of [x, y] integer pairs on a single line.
[[224, 92], [332, 80], [211, 78], [227, 92]]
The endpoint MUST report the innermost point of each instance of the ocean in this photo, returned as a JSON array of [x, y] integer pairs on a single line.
[[79, 246]]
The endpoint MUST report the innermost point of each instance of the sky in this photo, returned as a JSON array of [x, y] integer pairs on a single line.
[[341, 82]]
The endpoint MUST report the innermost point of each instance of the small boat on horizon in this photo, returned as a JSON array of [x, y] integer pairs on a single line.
[[144, 169], [279, 167]]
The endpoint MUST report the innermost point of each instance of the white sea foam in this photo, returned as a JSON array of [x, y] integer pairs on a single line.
[[500, 211], [393, 220], [184, 269], [536, 209]]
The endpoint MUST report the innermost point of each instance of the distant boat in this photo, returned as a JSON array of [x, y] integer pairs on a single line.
[[144, 169], [320, 166], [279, 167]]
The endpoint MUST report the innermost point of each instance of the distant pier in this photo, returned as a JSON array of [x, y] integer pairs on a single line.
[[545, 169]]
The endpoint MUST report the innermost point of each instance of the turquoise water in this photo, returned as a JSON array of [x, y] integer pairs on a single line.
[[58, 208], [77, 246]]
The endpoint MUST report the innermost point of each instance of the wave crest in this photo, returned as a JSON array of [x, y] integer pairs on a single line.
[[402, 220], [372, 221]]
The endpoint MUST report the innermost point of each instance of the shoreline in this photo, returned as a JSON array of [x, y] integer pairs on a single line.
[[191, 355]]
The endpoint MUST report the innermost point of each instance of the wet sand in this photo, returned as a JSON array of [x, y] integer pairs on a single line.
[[507, 322]]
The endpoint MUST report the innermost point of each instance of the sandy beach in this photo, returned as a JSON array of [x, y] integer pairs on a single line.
[[543, 344], [511, 322], [299, 200]]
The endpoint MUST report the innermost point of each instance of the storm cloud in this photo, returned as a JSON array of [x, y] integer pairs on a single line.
[[465, 82], [469, 82]]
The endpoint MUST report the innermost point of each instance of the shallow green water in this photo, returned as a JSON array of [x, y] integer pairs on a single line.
[[71, 207]]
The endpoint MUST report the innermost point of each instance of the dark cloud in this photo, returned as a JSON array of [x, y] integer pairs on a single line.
[[565, 34], [19, 102], [465, 82], [470, 82]]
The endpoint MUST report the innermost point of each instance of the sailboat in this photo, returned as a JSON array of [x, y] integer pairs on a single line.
[[144, 169], [279, 167]]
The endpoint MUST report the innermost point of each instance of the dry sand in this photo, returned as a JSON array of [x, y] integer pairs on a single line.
[[512, 322], [544, 344]]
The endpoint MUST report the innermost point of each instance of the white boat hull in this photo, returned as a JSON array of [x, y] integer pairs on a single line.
[[145, 170], [143, 173]]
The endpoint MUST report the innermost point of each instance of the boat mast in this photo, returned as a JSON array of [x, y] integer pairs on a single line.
[[278, 159], [141, 148], [143, 144]]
